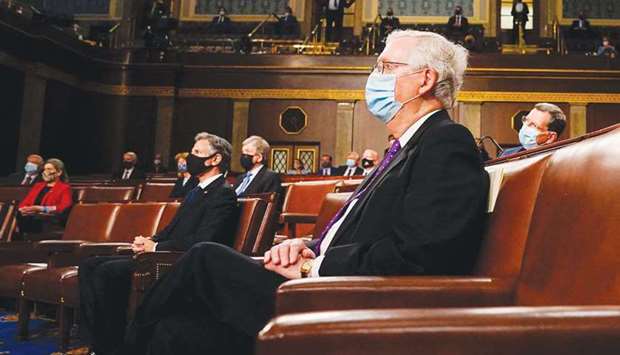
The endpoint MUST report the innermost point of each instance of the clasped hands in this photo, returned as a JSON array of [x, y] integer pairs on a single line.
[[287, 257], [30, 210], [142, 245]]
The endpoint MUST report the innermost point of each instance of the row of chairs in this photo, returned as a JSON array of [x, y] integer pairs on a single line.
[[47, 271]]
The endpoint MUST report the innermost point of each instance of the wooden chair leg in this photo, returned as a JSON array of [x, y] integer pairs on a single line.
[[65, 322], [23, 308]]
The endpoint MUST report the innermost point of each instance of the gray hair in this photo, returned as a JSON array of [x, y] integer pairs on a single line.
[[133, 155], [434, 51], [557, 118], [261, 145], [59, 166], [218, 145]]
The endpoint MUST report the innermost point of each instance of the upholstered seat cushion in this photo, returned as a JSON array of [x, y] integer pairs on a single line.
[[47, 285], [11, 277]]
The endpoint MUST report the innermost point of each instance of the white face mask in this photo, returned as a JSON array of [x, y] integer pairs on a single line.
[[380, 96], [350, 163]]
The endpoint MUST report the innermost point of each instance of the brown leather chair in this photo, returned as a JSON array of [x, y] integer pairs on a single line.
[[168, 214], [267, 229], [152, 191], [348, 185], [8, 212], [500, 255], [565, 300], [94, 194], [13, 193], [50, 285], [303, 201]]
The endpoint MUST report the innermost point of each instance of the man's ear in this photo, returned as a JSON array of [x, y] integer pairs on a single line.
[[260, 157], [430, 79], [551, 137]]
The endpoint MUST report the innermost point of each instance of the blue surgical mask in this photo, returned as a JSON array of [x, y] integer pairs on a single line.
[[380, 96], [31, 168], [527, 137], [182, 167], [350, 163]]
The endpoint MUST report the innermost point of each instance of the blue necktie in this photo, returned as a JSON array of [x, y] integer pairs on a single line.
[[244, 184], [192, 194]]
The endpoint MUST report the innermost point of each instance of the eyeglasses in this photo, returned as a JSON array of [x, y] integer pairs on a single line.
[[529, 123], [385, 66]]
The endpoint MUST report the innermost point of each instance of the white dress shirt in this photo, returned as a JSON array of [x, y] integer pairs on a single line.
[[404, 139], [333, 4], [203, 185], [350, 171], [127, 173]]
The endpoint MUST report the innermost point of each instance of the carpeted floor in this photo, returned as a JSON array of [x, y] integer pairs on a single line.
[[43, 337]]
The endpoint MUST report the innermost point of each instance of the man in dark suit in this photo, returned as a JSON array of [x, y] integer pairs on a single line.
[[389, 23], [520, 17], [458, 25], [287, 24], [420, 213], [351, 167], [334, 14], [326, 168], [129, 170], [543, 125], [221, 24], [257, 178], [31, 173], [208, 213]]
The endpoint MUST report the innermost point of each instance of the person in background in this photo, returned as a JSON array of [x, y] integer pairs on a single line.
[[581, 23], [370, 158], [287, 24], [129, 170], [158, 165], [543, 125], [520, 17], [185, 181], [389, 23], [326, 168], [31, 173], [257, 177], [390, 141], [334, 13], [606, 48], [299, 168], [458, 25], [351, 167], [52, 196], [221, 24]]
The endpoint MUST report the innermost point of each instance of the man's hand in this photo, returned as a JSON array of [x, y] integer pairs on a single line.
[[29, 210], [292, 271], [142, 245], [287, 253]]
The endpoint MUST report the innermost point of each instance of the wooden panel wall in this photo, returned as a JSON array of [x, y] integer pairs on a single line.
[[11, 91], [602, 115], [368, 132]]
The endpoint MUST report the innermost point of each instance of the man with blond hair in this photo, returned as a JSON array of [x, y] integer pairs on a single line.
[[542, 125], [257, 178], [420, 212]]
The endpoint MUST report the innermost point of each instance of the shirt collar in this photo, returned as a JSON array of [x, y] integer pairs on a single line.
[[203, 184], [255, 170], [406, 137]]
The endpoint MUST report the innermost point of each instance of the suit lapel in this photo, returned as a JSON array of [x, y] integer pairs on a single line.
[[197, 199], [251, 187]]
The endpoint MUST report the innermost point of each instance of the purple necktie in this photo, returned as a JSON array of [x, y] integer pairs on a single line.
[[391, 154]]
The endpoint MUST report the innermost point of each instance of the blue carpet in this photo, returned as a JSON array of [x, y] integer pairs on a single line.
[[43, 337]]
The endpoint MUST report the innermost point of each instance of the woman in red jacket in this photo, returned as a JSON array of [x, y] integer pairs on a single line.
[[51, 197]]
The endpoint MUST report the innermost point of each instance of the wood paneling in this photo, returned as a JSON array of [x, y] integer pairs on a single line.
[[602, 115], [368, 132], [11, 90], [321, 115]]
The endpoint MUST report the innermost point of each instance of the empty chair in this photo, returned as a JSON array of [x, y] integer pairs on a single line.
[[152, 191], [303, 201]]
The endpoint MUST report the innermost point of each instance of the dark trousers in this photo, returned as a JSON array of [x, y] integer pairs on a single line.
[[214, 300], [333, 31], [105, 284]]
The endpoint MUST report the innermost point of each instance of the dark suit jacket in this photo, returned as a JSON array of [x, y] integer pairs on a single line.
[[332, 171], [179, 190], [341, 5], [209, 216], [341, 169], [265, 181], [136, 174], [17, 178], [425, 213], [452, 24], [522, 16], [575, 26]]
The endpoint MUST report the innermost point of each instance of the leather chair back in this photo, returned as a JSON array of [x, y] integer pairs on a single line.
[[8, 211], [267, 229], [332, 203], [155, 192], [572, 257], [136, 219], [307, 197], [167, 215], [91, 222], [250, 218], [94, 194], [13, 193], [503, 245]]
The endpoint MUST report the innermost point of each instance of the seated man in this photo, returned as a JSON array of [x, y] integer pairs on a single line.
[[370, 159], [543, 125], [389, 23], [421, 212], [221, 24], [606, 49], [581, 24], [350, 168], [129, 171], [257, 178], [209, 213], [458, 25], [326, 168], [287, 24], [31, 173]]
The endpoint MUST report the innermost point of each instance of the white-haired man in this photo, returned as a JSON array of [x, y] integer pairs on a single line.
[[257, 178], [420, 212], [542, 125], [129, 169]]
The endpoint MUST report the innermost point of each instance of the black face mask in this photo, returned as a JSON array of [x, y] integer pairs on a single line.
[[367, 163], [196, 164], [246, 161], [128, 164], [326, 164]]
